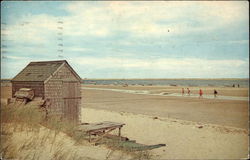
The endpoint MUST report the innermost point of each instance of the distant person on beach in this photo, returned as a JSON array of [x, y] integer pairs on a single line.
[[182, 91], [238, 85], [201, 93], [215, 93], [233, 85], [188, 91]]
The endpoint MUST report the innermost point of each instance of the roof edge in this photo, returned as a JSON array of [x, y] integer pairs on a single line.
[[48, 61], [77, 76], [46, 80], [71, 69], [19, 72]]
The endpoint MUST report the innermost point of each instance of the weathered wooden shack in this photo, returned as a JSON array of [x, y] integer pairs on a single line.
[[53, 81]]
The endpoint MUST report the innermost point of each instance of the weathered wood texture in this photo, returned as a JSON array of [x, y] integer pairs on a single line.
[[53, 94], [38, 87], [58, 84], [93, 127], [64, 92]]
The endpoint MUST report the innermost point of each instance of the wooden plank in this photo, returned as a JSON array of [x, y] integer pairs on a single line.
[[72, 98], [115, 137], [110, 130], [100, 126], [132, 146]]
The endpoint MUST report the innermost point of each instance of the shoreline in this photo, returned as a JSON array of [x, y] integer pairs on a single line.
[[145, 92], [175, 90], [162, 86], [166, 79], [185, 82], [155, 78], [215, 111]]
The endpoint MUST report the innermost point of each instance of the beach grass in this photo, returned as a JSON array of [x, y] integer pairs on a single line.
[[30, 120]]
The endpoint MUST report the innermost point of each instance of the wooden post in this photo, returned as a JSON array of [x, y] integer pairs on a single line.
[[119, 134], [89, 137]]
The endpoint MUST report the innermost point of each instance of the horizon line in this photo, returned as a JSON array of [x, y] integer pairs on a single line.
[[153, 78]]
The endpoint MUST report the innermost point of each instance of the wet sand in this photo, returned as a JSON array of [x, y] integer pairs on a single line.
[[171, 94], [215, 111], [222, 91]]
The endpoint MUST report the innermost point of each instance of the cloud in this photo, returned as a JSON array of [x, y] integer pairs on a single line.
[[163, 66], [246, 42], [12, 65], [15, 57], [94, 67], [77, 49], [125, 29], [140, 19], [32, 30]]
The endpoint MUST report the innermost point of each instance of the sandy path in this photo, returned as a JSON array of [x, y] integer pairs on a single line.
[[184, 139], [223, 112]]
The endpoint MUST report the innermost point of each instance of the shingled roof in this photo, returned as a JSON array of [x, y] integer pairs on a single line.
[[40, 71]]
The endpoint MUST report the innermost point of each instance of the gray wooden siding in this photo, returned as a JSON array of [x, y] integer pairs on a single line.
[[64, 92]]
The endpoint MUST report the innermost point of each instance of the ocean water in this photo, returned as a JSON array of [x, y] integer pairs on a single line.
[[169, 82], [173, 82]]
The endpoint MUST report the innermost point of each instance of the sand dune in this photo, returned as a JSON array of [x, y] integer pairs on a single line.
[[44, 144], [184, 140]]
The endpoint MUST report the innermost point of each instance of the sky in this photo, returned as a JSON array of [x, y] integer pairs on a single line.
[[128, 39]]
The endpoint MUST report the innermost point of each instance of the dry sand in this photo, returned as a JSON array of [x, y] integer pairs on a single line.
[[184, 140]]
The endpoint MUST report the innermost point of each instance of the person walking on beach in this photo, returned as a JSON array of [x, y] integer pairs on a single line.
[[201, 93], [188, 91], [238, 85], [182, 91], [215, 93]]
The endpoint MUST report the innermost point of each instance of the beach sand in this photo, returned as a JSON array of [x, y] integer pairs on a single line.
[[216, 111], [191, 128], [224, 91], [183, 139]]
